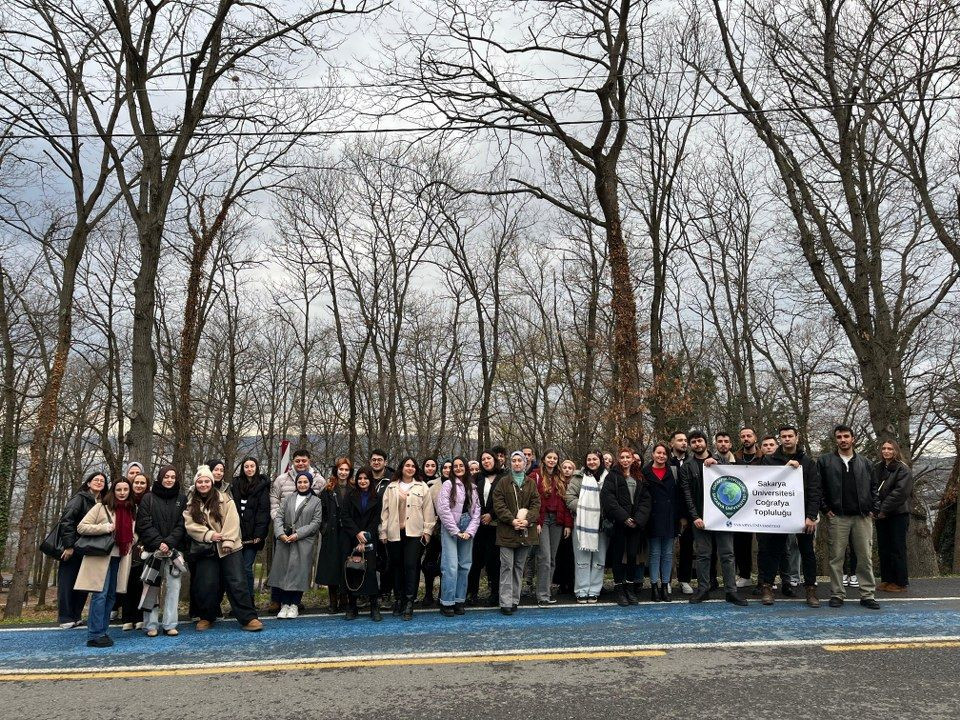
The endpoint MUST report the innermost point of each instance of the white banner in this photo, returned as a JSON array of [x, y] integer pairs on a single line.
[[753, 498]]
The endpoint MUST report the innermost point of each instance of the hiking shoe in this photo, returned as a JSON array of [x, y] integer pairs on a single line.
[[103, 641], [812, 599], [870, 603], [766, 594]]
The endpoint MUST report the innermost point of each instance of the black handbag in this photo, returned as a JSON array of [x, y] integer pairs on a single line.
[[199, 550], [356, 562], [95, 545], [52, 545]]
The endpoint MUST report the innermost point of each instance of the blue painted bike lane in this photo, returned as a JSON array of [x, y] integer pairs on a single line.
[[596, 627]]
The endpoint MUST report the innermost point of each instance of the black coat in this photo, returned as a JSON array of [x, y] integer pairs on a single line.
[[691, 487], [353, 520], [617, 506], [160, 520], [812, 490], [255, 518], [830, 468], [73, 512], [896, 487], [330, 559], [480, 482], [665, 504]]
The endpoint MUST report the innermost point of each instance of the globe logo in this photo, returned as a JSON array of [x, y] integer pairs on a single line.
[[729, 494]]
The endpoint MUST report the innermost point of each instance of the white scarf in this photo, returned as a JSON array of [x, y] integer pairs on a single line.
[[587, 525]]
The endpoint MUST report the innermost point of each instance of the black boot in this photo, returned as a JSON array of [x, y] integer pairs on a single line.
[[408, 610], [664, 595], [334, 605], [375, 609], [654, 594], [398, 607], [630, 590], [351, 613], [620, 596]]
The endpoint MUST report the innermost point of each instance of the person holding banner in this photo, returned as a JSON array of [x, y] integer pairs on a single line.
[[851, 498], [771, 546], [691, 482], [748, 454]]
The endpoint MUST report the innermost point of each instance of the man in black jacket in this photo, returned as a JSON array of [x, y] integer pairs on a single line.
[[678, 456], [691, 484], [851, 499], [748, 454], [771, 546]]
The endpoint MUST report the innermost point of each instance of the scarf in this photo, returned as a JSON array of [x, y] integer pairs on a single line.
[[518, 477], [123, 529], [587, 524]]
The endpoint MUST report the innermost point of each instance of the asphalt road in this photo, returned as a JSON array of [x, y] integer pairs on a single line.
[[653, 660]]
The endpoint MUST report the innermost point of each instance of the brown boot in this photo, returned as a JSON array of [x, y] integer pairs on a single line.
[[204, 625], [253, 626], [766, 594], [894, 588], [812, 599]]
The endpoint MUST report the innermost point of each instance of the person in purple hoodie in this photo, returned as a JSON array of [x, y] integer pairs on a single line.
[[458, 508]]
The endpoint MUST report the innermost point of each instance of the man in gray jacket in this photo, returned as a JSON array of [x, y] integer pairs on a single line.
[[851, 499]]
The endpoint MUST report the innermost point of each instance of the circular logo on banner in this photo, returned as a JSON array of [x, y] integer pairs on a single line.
[[729, 494]]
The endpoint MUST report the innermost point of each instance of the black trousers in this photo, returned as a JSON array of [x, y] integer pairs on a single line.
[[892, 548], [214, 573], [431, 563], [405, 557], [772, 546], [624, 546], [743, 553], [130, 600], [385, 568], [486, 556], [70, 602]]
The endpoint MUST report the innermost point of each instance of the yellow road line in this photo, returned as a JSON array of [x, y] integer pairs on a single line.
[[892, 646], [332, 665]]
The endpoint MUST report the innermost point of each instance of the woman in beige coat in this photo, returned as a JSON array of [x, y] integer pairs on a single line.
[[213, 524], [407, 521], [105, 575]]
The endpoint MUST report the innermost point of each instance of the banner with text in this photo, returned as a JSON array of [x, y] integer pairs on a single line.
[[753, 498]]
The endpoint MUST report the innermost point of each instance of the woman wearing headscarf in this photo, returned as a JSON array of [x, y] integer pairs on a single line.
[[103, 575], [589, 540], [70, 600], [360, 521], [213, 524], [517, 505], [162, 534], [296, 529]]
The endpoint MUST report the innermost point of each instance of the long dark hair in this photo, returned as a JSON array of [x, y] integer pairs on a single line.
[[467, 484], [243, 483], [210, 504], [85, 485], [398, 473], [598, 473], [109, 499]]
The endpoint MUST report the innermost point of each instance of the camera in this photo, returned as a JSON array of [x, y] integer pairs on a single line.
[[288, 530]]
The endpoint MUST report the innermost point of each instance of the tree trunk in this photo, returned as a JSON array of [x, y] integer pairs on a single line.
[[8, 440], [143, 360], [624, 308]]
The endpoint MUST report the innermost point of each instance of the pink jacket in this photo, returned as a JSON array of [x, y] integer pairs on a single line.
[[450, 518]]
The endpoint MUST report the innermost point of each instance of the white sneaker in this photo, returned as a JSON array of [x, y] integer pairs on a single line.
[[282, 615], [846, 581], [292, 612], [854, 581], [67, 625], [138, 626], [744, 582], [686, 588], [127, 626]]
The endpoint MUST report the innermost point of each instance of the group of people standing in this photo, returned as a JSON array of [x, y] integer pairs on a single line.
[[367, 534]]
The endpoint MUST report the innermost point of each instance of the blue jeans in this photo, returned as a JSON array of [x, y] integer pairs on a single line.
[[102, 602], [456, 557], [249, 557], [661, 559]]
